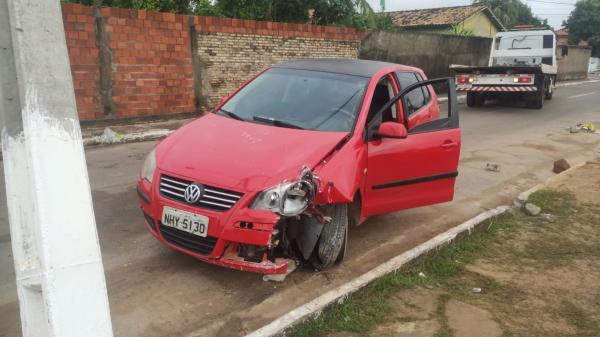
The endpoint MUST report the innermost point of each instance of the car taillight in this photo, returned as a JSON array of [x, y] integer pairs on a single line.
[[464, 79], [522, 79]]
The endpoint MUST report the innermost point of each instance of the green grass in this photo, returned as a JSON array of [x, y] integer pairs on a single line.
[[367, 308], [540, 245]]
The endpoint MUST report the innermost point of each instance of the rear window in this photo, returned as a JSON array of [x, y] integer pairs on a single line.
[[312, 100]]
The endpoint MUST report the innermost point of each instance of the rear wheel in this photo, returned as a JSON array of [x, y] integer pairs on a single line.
[[331, 246], [475, 99]]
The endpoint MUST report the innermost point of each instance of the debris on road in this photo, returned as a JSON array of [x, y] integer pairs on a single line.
[[110, 137], [492, 167], [561, 165], [532, 209], [583, 127], [476, 290], [292, 265]]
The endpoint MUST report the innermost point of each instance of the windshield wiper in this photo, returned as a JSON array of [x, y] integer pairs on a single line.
[[231, 114], [276, 122]]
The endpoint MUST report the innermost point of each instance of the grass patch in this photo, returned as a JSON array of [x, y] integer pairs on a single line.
[[578, 318], [506, 259], [368, 307], [559, 203]]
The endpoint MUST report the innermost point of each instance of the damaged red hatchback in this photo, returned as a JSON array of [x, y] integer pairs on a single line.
[[281, 168]]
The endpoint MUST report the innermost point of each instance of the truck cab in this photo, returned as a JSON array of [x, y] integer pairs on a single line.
[[522, 66]]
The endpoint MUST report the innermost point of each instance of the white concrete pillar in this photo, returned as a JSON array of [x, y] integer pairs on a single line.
[[60, 277]]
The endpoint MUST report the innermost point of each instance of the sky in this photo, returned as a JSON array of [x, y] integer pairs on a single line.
[[554, 10]]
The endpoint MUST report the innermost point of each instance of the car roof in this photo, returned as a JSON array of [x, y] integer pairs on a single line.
[[363, 68]]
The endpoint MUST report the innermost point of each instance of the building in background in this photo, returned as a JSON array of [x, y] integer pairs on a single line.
[[474, 20]]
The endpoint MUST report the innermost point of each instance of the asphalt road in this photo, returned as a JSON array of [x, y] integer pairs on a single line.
[[155, 291]]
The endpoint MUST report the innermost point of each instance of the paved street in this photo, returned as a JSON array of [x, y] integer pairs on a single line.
[[155, 291]]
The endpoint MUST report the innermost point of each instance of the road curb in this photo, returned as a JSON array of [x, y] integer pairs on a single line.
[[525, 195], [568, 84], [339, 294]]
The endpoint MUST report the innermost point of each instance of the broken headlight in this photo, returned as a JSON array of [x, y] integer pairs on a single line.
[[288, 198], [149, 166]]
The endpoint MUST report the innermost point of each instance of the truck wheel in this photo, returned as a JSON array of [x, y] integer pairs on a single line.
[[475, 99], [538, 101], [332, 242]]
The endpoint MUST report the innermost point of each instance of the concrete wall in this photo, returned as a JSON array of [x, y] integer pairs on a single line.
[[431, 52], [574, 65]]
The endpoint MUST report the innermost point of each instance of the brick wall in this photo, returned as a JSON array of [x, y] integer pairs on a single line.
[[132, 63], [80, 32], [230, 51], [151, 61]]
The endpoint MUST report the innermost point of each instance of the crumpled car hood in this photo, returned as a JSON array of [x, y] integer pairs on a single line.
[[240, 155]]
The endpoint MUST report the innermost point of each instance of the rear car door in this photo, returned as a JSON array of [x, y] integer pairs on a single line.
[[420, 169]]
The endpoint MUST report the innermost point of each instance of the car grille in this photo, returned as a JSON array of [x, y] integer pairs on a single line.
[[214, 198], [188, 241]]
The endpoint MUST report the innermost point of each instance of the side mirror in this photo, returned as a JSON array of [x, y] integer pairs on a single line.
[[392, 130]]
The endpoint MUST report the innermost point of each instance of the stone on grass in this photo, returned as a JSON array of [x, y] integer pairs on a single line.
[[561, 165], [532, 209], [517, 204], [546, 217]]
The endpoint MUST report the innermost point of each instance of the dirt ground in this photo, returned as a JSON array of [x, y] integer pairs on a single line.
[[523, 276]]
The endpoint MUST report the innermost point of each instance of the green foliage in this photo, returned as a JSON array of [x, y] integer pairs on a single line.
[[346, 13], [584, 24], [461, 31], [512, 12]]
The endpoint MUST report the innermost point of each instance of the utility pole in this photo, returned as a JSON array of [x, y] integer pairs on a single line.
[[60, 277]]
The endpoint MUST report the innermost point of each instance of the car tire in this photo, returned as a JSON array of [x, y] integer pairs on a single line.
[[331, 246]]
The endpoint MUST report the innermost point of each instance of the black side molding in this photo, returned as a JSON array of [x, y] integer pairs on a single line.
[[143, 195], [416, 180]]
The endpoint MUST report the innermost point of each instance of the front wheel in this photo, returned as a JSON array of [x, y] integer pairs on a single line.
[[331, 246]]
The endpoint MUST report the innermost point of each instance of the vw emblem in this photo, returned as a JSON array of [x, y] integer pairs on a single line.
[[193, 193]]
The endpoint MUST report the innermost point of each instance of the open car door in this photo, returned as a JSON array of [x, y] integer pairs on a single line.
[[412, 167]]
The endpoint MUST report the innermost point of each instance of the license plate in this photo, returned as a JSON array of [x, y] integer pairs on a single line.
[[192, 223]]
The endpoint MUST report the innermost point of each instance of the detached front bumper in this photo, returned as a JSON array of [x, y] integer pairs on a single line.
[[231, 233]]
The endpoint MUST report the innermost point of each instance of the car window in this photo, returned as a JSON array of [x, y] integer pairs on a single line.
[[384, 92], [416, 98], [310, 100], [425, 90]]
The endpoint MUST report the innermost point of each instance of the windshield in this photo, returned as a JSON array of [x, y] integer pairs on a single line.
[[300, 99], [519, 42]]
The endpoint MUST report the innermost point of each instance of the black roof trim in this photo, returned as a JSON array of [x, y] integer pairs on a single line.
[[363, 68]]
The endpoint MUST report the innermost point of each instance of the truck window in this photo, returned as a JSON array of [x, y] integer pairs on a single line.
[[548, 41], [520, 42], [416, 98]]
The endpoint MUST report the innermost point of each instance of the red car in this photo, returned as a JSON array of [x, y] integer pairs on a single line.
[[281, 168]]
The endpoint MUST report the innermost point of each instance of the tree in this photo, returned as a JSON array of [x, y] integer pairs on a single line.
[[584, 24], [512, 12]]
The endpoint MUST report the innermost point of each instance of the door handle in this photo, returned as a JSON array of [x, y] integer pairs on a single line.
[[448, 144]]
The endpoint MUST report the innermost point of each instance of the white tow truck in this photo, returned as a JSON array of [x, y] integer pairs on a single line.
[[522, 66]]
